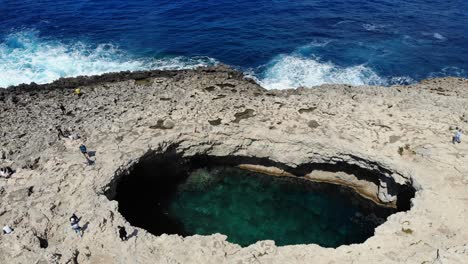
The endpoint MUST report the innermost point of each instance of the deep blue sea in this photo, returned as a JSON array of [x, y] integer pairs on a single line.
[[280, 43]]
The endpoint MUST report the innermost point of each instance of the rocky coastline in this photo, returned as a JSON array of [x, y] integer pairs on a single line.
[[389, 144]]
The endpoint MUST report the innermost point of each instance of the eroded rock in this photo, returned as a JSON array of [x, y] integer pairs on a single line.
[[356, 126]]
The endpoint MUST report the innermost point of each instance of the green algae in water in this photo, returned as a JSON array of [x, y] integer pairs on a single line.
[[248, 207]]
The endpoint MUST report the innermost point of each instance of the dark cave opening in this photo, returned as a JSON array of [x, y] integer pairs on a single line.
[[170, 194]]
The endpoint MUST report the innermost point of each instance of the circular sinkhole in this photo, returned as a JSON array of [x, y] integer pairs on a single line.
[[204, 195]]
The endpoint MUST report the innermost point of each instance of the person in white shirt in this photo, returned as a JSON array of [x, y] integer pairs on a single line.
[[6, 172], [7, 229], [457, 137]]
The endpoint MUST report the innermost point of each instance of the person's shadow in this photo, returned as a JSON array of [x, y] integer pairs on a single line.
[[133, 234], [85, 226], [91, 154]]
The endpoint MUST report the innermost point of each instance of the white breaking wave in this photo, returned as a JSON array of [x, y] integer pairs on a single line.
[[373, 27], [26, 58], [291, 71], [439, 36]]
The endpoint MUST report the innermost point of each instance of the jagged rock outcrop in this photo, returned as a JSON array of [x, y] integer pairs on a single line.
[[402, 133]]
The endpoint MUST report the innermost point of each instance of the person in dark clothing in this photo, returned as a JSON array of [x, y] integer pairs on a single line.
[[84, 151], [122, 233], [64, 111], [60, 133], [74, 219]]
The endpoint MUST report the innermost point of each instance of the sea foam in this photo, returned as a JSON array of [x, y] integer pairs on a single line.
[[291, 71], [26, 57], [439, 36]]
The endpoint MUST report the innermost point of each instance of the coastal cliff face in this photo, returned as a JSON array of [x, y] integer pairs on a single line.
[[379, 141]]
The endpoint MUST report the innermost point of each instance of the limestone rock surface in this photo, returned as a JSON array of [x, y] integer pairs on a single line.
[[402, 131]]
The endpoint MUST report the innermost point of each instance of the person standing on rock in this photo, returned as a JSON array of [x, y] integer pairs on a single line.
[[75, 226], [7, 229], [78, 92], [457, 137], [66, 134], [64, 111], [84, 151], [122, 233], [60, 134], [6, 172]]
